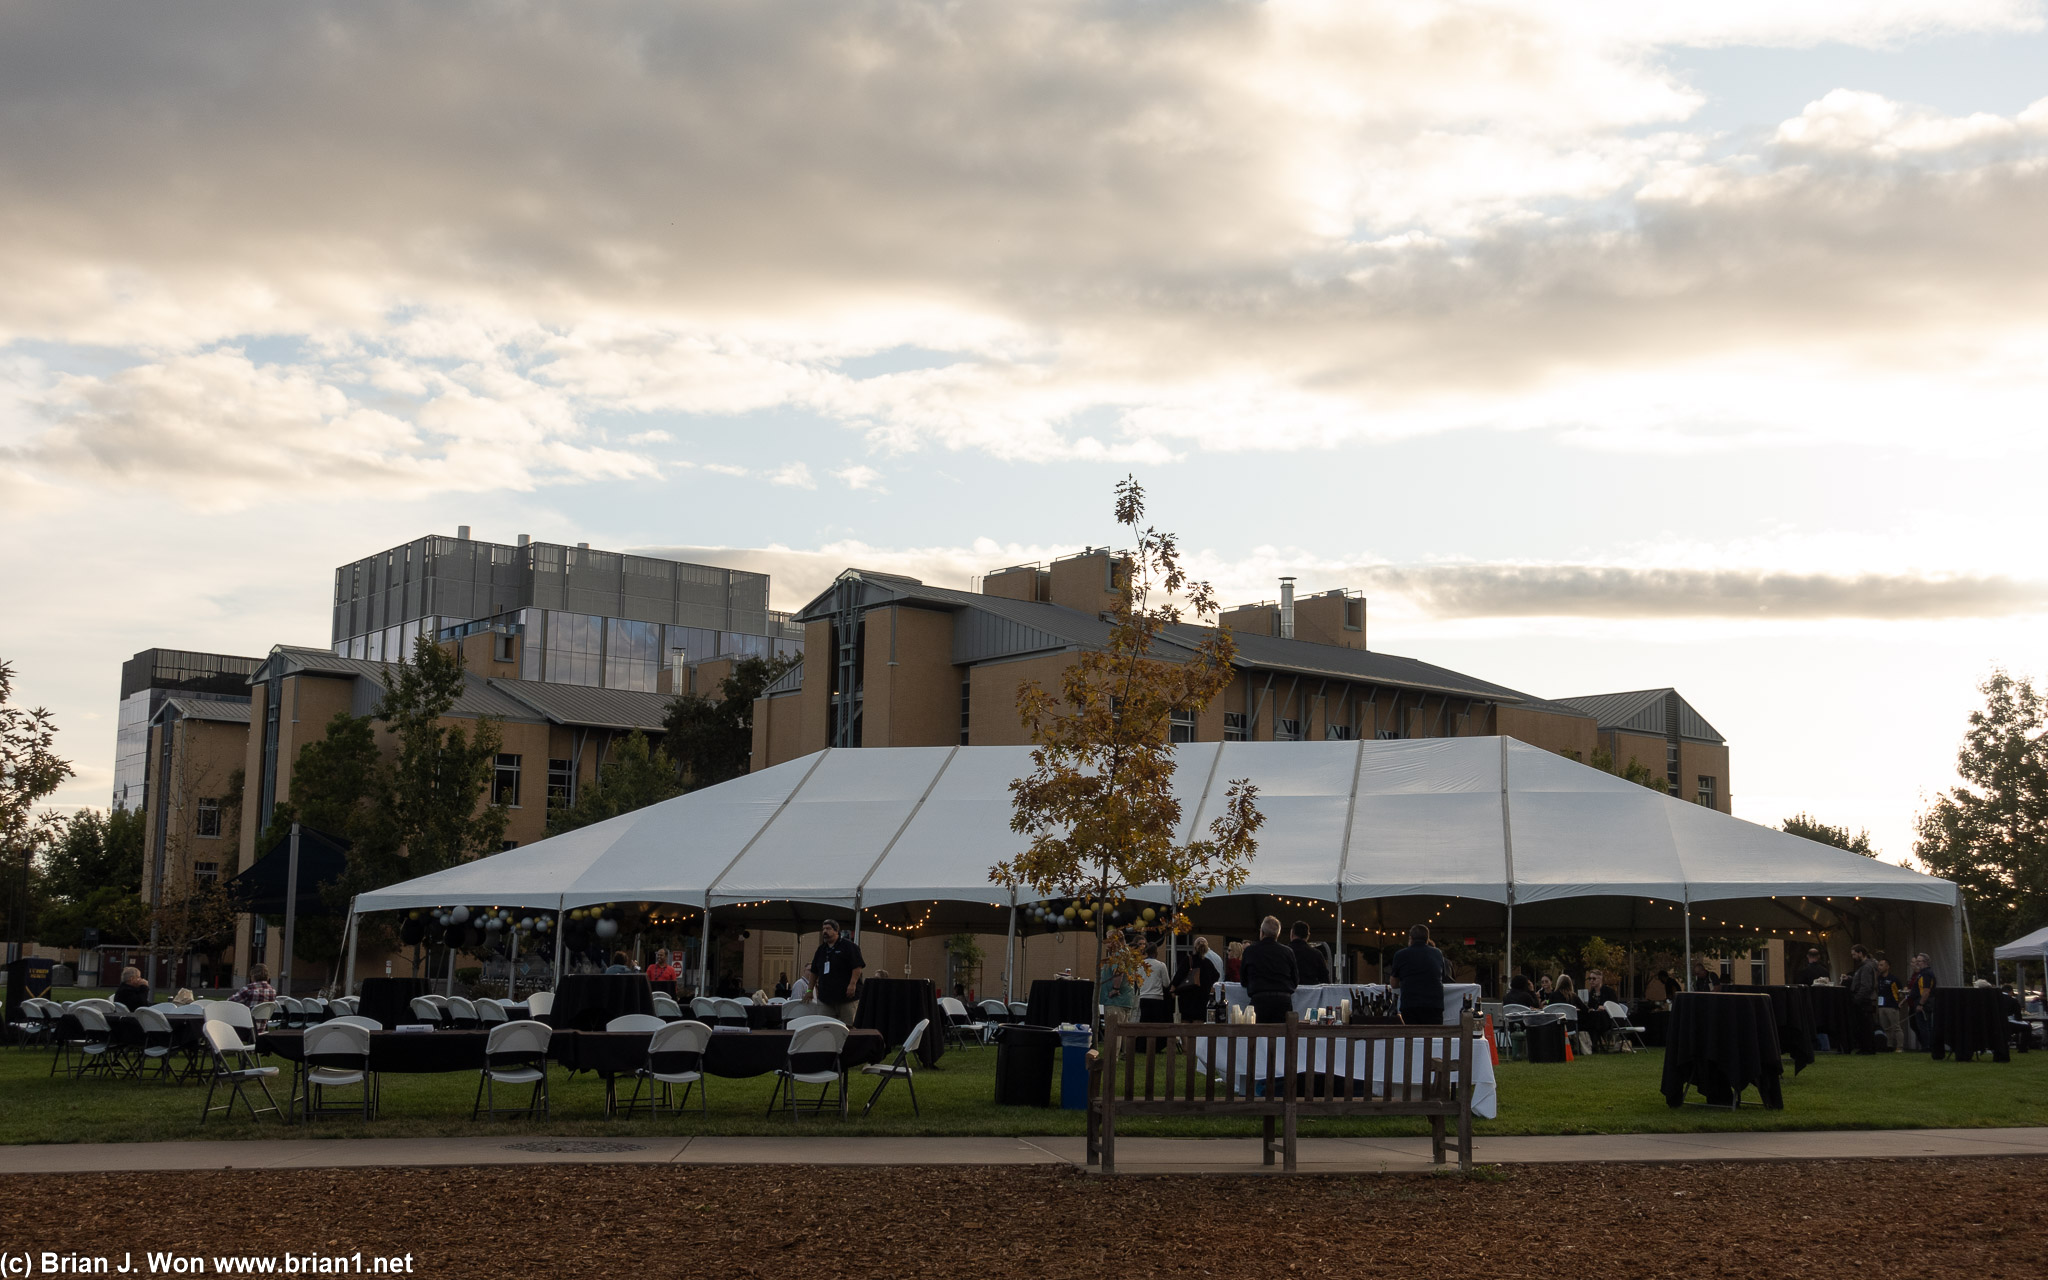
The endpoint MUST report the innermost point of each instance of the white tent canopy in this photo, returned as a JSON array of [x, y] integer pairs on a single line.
[[1487, 820], [2032, 946]]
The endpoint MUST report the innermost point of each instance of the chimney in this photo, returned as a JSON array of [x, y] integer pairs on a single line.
[[525, 539], [583, 546], [1287, 608], [462, 532]]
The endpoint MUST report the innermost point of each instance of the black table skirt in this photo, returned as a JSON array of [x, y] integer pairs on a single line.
[[1794, 1009], [1057, 1000], [1722, 1043], [1654, 1022], [732, 1055], [586, 1001], [1834, 1016], [1968, 1021], [389, 1000], [760, 1017], [398, 1053], [893, 1006]]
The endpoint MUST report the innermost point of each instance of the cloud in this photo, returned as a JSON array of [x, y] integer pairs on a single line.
[[857, 476], [794, 474], [1595, 591]]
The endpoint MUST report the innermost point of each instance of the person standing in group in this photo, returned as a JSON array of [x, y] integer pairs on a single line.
[[1269, 973], [1863, 998], [1310, 969], [1703, 978], [1816, 967], [1153, 1004], [661, 970], [1195, 984], [1891, 999], [1233, 964], [835, 972], [1419, 972], [1919, 998], [1116, 991]]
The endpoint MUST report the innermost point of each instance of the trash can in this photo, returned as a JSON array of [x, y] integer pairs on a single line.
[[1024, 1065], [1546, 1039], [1074, 1045]]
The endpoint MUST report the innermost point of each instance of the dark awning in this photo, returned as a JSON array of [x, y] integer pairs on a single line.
[[322, 860]]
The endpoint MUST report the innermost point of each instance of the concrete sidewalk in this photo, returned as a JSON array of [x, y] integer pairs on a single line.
[[1134, 1155]]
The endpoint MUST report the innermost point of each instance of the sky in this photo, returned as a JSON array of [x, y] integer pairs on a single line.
[[1605, 346]]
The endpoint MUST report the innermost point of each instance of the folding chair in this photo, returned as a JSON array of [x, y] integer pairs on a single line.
[[540, 1003], [897, 1070], [816, 1056], [635, 1022], [84, 1040], [426, 1011], [665, 1006], [516, 1053], [490, 1012], [233, 1065], [337, 1056], [236, 1016], [158, 1043], [958, 1025], [731, 1013], [675, 1056], [461, 1013], [1622, 1030], [796, 1010]]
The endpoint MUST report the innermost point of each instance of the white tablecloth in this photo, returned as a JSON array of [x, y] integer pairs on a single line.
[[1326, 997], [1365, 1060]]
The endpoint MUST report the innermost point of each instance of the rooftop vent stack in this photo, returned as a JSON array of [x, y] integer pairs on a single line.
[[525, 539], [462, 532], [583, 546], [1287, 608]]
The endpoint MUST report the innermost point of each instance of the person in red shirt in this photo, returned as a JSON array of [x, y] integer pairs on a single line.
[[661, 970]]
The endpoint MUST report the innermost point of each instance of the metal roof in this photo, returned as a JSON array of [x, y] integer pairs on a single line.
[[1305, 657], [224, 710], [1642, 711], [572, 704], [477, 699]]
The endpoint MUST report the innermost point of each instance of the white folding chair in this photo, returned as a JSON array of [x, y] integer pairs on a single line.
[[337, 1056], [731, 1013], [900, 1069], [516, 1053], [959, 1027], [794, 1011], [158, 1043], [665, 1005], [461, 1013], [816, 1056], [426, 1011], [540, 1003], [1018, 1009], [704, 1009], [234, 1065], [266, 1012], [1622, 1029], [675, 1056], [490, 1012], [84, 1041], [355, 1020], [236, 1016], [811, 1020], [635, 1022]]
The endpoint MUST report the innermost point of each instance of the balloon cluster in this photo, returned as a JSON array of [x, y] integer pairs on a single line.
[[474, 926], [1085, 912]]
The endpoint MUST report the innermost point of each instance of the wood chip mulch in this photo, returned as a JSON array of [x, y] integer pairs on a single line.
[[1847, 1220]]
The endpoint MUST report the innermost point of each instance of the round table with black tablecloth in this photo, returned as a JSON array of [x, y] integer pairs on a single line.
[[1722, 1043], [1057, 1000], [1834, 1016], [586, 1001], [1968, 1021], [389, 1000], [893, 1006], [1794, 1009]]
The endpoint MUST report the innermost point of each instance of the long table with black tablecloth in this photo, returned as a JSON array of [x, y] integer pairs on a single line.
[[760, 1017], [586, 1001], [1057, 1000], [893, 1006], [1968, 1021], [389, 1000], [1722, 1043], [1794, 1009], [1834, 1016], [731, 1054], [398, 1053]]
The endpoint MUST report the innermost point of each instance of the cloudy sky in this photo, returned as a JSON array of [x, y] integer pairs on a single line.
[[1607, 345]]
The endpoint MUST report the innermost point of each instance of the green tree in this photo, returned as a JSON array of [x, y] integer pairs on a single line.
[[635, 776], [336, 782], [1990, 835], [712, 739], [1805, 824], [96, 849], [1634, 771], [30, 771], [1098, 807]]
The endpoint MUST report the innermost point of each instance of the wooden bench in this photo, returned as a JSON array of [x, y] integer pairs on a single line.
[[1289, 1072]]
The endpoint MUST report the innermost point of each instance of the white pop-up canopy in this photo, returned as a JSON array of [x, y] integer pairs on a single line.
[[2032, 946], [1484, 820]]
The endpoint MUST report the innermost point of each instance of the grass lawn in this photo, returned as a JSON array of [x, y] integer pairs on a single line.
[[1612, 1093]]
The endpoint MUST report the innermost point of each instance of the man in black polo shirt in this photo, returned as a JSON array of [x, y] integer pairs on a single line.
[[1418, 973], [835, 972], [1267, 970], [1310, 969]]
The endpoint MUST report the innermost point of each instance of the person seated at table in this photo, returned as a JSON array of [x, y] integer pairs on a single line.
[[1310, 969], [620, 964], [782, 986], [799, 990], [1269, 973], [835, 972], [1598, 992], [132, 992], [661, 970], [1816, 967], [1521, 992], [1562, 992], [1417, 975], [259, 988], [1543, 990], [1195, 984]]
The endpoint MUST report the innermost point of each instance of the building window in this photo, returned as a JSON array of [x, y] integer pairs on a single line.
[[1387, 735], [501, 648], [1354, 615], [1236, 726], [1706, 791], [965, 707], [507, 846], [208, 824], [1671, 765], [205, 873], [561, 784], [505, 781], [1338, 733], [1180, 725], [1286, 730]]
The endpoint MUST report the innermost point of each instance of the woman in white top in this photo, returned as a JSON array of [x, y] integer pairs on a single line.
[[1153, 1004]]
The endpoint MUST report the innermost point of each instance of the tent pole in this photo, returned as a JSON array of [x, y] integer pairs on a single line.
[[1337, 954], [1685, 967], [856, 922], [291, 914], [1969, 956], [512, 965], [1010, 954], [704, 952], [1507, 853], [450, 991], [355, 935], [556, 984]]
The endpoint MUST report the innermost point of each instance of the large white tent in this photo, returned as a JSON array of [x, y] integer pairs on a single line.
[[2031, 946], [1508, 834]]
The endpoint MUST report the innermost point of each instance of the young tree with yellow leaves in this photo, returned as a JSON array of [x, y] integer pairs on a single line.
[[1098, 807]]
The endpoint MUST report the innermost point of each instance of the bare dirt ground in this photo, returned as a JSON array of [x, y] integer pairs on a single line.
[[1846, 1219]]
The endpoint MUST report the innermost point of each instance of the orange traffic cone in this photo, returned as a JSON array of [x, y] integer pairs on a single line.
[[1492, 1045], [1567, 1046]]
